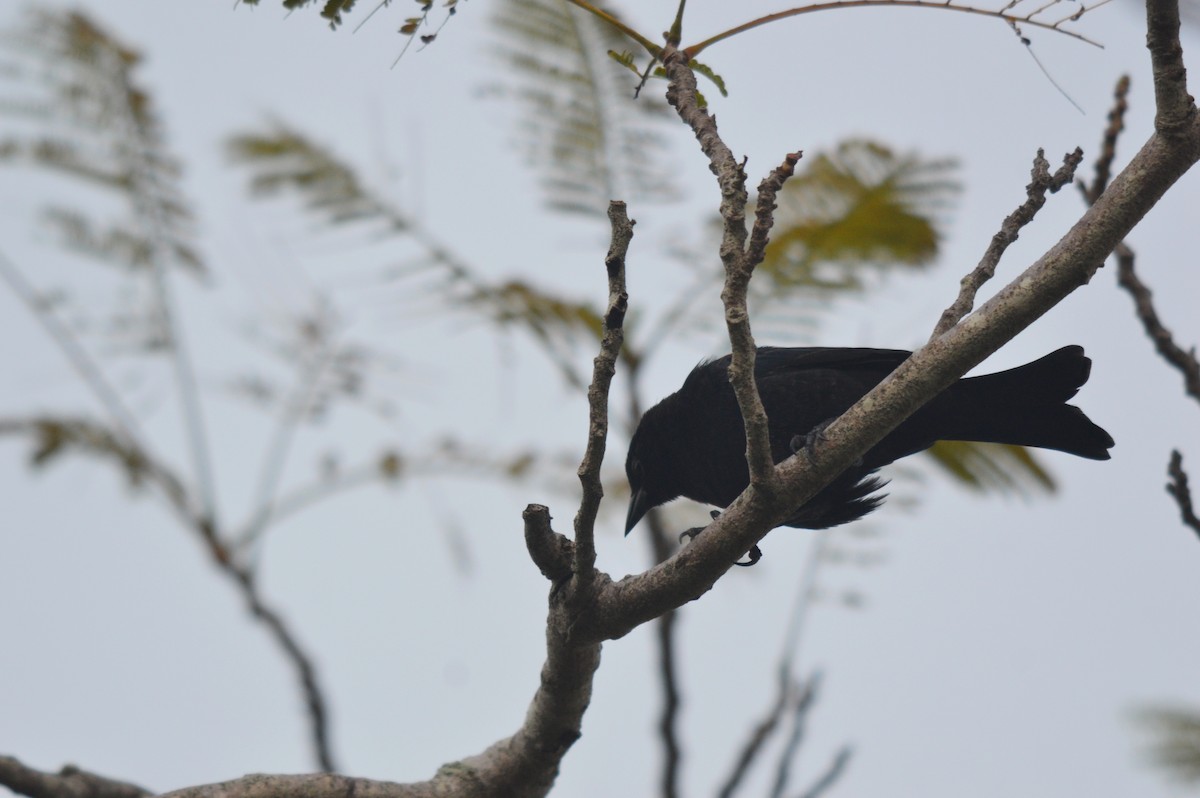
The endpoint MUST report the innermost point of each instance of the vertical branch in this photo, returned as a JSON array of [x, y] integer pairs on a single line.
[[603, 368], [664, 639], [147, 193], [739, 261], [1174, 108]]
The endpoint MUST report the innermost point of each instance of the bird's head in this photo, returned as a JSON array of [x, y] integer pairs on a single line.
[[648, 468]]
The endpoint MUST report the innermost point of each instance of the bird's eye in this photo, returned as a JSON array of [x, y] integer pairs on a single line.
[[635, 470]]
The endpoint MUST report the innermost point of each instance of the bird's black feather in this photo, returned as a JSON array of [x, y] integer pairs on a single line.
[[693, 444]]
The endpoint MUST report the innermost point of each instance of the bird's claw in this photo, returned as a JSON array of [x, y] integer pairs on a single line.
[[816, 435], [754, 555]]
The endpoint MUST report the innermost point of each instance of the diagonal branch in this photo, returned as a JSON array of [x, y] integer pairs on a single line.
[[70, 782], [1178, 488], [1184, 361]]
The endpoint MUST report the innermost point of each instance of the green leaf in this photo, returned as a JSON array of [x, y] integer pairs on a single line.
[[283, 160], [858, 207], [992, 467]]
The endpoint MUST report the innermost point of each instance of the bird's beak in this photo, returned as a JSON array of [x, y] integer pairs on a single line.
[[639, 505]]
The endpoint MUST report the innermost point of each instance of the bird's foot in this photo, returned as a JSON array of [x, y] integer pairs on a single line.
[[753, 556], [816, 435]]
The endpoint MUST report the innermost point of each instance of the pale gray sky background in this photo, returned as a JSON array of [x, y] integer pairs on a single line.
[[1003, 643]]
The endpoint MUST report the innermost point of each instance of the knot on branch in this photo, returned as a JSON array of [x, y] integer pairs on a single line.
[[551, 553]]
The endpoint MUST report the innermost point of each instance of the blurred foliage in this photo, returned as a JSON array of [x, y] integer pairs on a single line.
[[579, 126], [68, 91], [1175, 748], [52, 438], [855, 210], [280, 160], [992, 467], [860, 206], [92, 121]]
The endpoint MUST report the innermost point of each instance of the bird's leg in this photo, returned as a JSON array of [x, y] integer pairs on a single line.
[[754, 555]]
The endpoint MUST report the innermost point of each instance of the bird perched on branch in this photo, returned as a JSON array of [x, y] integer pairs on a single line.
[[693, 443]]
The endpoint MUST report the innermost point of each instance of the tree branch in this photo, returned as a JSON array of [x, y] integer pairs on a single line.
[[1178, 488], [739, 261], [583, 612], [1174, 110], [1185, 362], [70, 782], [1068, 265], [1035, 192], [603, 369]]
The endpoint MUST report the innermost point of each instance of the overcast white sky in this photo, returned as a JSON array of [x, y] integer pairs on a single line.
[[995, 656]]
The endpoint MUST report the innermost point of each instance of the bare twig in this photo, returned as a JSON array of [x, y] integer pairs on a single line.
[[1164, 342], [149, 201], [603, 369], [1184, 361], [1178, 488], [739, 260], [788, 684], [1108, 145], [760, 734], [526, 763], [70, 782], [800, 709], [827, 779], [1042, 181], [664, 639], [142, 466], [83, 363], [695, 49]]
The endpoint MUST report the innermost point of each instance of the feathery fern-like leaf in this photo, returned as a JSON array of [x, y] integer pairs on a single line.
[[580, 125]]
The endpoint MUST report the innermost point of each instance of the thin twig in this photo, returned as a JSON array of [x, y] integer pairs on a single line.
[[789, 655], [1178, 488], [603, 368], [668, 670], [1108, 144], [693, 50], [295, 408], [738, 260], [1183, 361], [1042, 182], [87, 368], [800, 709], [827, 779], [149, 202], [760, 735]]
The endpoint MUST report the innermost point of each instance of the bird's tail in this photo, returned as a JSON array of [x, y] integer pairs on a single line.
[[1026, 406]]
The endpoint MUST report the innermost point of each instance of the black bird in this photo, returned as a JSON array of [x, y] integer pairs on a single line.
[[693, 442]]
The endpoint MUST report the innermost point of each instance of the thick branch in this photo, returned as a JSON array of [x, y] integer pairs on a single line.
[[1068, 265], [1174, 110], [70, 782]]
